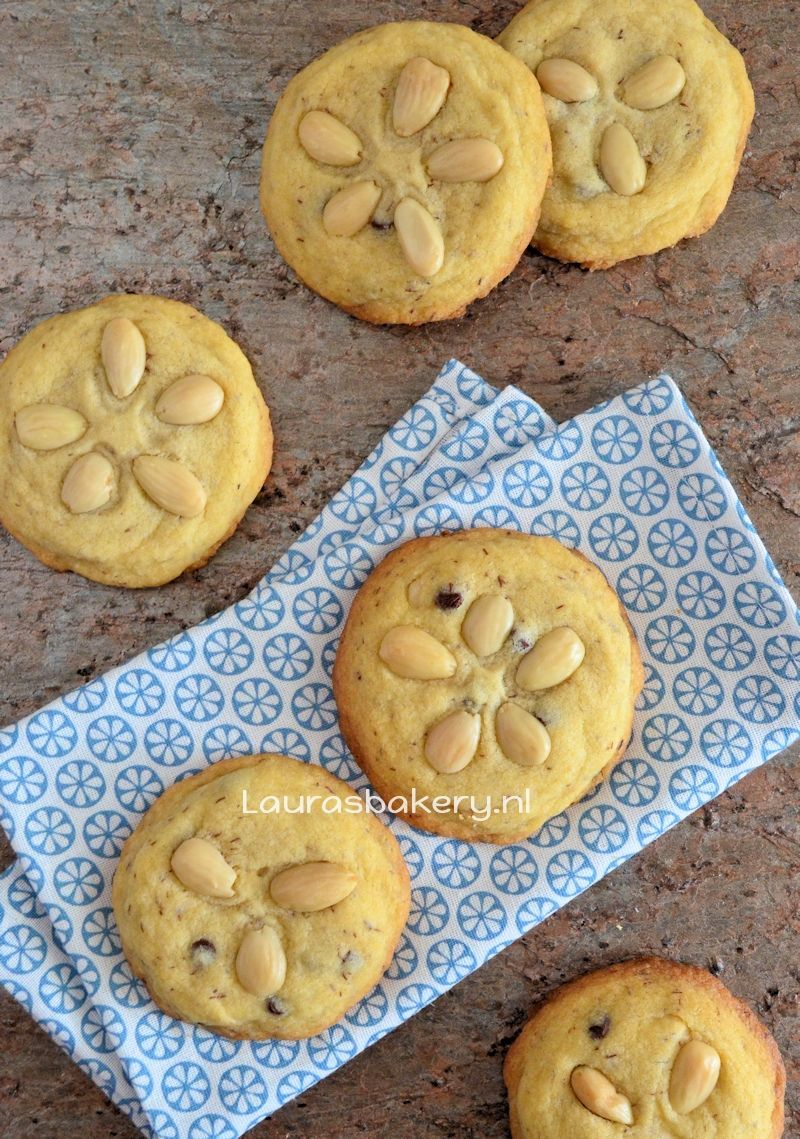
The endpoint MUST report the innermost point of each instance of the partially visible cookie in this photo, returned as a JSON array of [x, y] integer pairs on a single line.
[[649, 108], [256, 919], [649, 1049], [488, 671], [133, 438], [403, 170]]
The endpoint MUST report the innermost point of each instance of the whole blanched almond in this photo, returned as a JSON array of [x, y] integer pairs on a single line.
[[552, 660], [328, 140], [190, 400], [621, 164], [465, 160], [89, 483], [412, 653], [170, 485], [47, 426], [522, 738], [200, 867], [694, 1076], [421, 91], [566, 80], [312, 886], [261, 962], [451, 744], [658, 82], [598, 1095], [487, 623], [349, 211], [123, 352], [420, 237]]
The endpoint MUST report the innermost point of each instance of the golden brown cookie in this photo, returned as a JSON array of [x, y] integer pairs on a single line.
[[257, 900], [494, 670], [134, 438], [649, 1049], [403, 171], [649, 108]]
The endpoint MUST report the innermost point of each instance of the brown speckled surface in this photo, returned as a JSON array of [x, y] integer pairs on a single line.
[[130, 141]]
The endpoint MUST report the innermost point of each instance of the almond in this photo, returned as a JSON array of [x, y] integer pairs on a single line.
[[451, 744], [621, 164], [200, 867], [694, 1076], [421, 91], [465, 160], [412, 653], [89, 483], [47, 426], [566, 80], [598, 1095], [261, 962], [522, 738], [552, 660], [190, 400], [351, 209], [420, 237], [328, 140], [124, 355], [487, 624], [312, 886], [658, 82], [170, 485]]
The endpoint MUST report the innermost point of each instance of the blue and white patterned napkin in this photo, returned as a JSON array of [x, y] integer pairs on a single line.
[[634, 484]]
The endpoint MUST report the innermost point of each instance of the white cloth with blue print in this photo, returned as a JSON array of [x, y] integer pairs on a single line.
[[634, 485]]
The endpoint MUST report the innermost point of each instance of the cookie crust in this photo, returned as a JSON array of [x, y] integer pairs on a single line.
[[384, 718], [541, 1102], [486, 226], [159, 918], [131, 541], [692, 145]]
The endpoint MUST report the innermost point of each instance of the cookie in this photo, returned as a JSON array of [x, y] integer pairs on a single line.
[[649, 108], [134, 439], [258, 900], [403, 171], [485, 680], [650, 1049]]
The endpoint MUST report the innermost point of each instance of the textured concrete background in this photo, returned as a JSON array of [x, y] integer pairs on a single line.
[[129, 143]]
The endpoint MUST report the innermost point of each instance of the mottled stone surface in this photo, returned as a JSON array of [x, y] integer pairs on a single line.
[[130, 145]]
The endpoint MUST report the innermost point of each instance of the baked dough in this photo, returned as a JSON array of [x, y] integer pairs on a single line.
[[484, 225]]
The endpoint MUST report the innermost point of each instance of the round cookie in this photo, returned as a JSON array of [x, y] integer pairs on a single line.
[[134, 439], [461, 674], [255, 921], [658, 1050], [649, 110], [403, 171]]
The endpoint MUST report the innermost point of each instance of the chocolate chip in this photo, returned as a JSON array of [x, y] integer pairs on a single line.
[[449, 598], [600, 1030], [203, 951], [276, 1006]]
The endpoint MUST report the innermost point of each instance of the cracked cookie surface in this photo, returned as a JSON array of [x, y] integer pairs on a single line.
[[260, 924], [675, 133], [649, 1048], [135, 438], [486, 664], [403, 171]]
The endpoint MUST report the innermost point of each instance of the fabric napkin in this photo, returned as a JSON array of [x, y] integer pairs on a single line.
[[633, 484]]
